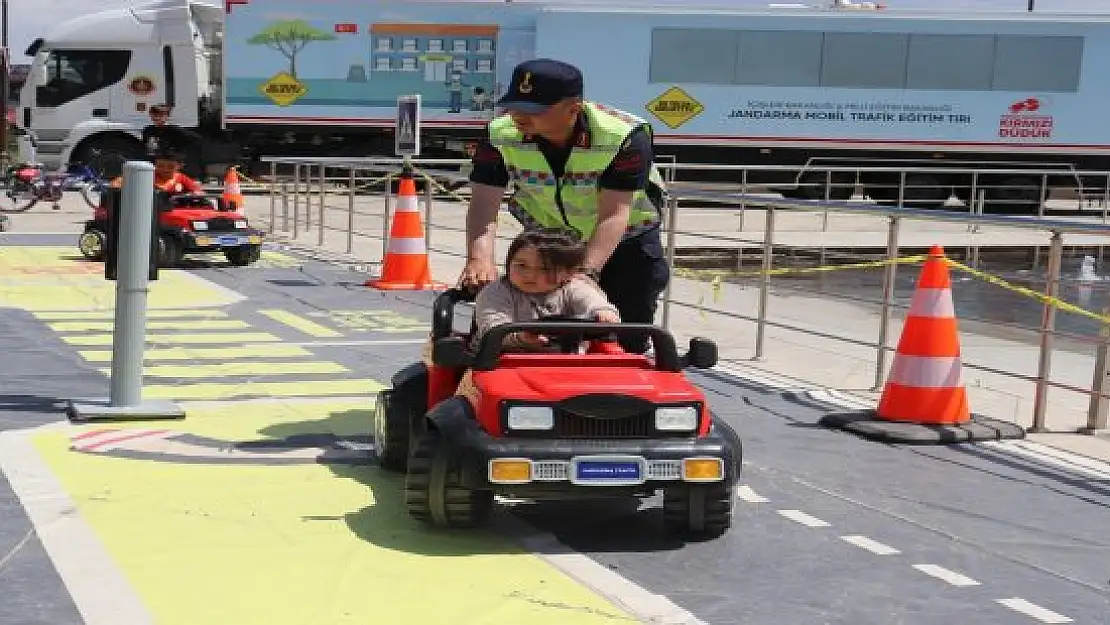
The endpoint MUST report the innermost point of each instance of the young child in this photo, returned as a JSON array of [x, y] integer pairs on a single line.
[[542, 278]]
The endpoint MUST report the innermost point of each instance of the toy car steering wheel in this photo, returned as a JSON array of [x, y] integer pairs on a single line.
[[568, 342]]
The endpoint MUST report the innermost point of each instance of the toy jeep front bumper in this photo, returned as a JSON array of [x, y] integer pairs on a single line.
[[550, 467], [203, 241]]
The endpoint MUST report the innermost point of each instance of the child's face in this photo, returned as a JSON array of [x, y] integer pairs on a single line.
[[528, 273]]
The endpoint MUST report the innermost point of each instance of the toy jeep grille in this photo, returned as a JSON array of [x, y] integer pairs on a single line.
[[221, 224], [571, 425]]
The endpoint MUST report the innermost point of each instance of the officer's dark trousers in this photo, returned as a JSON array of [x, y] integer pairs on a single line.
[[634, 278]]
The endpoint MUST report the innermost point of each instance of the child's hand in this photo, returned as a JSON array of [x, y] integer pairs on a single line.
[[532, 339], [607, 316]]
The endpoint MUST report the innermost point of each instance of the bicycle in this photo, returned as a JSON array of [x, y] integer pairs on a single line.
[[28, 184]]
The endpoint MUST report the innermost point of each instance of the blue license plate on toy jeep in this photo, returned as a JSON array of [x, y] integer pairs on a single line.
[[608, 472], [232, 240]]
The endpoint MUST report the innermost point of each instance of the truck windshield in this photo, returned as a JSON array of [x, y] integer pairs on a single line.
[[71, 74]]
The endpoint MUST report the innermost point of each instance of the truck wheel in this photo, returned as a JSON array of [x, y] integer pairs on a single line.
[[243, 255], [108, 154], [91, 244], [698, 510], [392, 416], [433, 493]]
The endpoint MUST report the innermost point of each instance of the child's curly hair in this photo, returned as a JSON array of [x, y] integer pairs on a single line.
[[559, 248]]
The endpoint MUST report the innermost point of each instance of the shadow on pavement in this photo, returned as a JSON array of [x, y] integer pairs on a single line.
[[594, 526]]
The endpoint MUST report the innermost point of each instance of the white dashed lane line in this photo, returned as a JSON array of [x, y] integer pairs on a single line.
[[745, 493], [873, 546], [1017, 604], [946, 575], [801, 517]]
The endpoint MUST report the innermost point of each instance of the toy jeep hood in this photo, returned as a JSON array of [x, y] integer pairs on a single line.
[[542, 383]]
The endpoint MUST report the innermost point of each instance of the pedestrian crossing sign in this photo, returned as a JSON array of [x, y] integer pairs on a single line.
[[407, 130]]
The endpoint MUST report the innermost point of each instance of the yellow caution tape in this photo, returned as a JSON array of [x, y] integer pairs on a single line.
[[716, 276], [1021, 290]]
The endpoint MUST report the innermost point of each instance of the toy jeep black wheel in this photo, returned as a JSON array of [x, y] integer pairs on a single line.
[[701, 510], [170, 251], [243, 255], [392, 416], [433, 493], [91, 244]]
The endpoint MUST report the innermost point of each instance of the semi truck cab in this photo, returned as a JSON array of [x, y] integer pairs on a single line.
[[94, 77]]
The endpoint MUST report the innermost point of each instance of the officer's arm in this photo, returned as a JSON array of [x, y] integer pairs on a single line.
[[488, 180], [627, 174]]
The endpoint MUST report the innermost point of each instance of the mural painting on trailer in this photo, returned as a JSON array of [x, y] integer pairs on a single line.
[[346, 61]]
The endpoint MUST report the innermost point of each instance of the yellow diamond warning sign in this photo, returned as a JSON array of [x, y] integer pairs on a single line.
[[283, 89], [675, 107]]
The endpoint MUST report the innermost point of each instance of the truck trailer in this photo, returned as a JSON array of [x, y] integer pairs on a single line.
[[805, 88]]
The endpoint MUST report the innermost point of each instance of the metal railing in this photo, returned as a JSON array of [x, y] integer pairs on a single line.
[[362, 176]]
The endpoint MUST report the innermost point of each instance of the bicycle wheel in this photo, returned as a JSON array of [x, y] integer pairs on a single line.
[[18, 197]]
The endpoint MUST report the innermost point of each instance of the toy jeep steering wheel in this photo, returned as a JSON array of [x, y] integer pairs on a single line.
[[568, 342]]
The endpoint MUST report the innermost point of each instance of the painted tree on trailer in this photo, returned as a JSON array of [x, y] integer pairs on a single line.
[[289, 37]]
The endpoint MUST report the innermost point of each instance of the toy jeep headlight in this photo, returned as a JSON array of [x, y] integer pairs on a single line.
[[676, 418], [240, 224], [531, 418], [200, 225]]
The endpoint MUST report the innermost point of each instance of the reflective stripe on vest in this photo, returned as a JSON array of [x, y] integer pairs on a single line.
[[536, 190]]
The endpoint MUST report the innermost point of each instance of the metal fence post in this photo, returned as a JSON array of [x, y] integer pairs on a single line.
[[765, 281], [296, 199], [351, 211], [385, 214], [323, 205], [1100, 404], [273, 195], [429, 198], [889, 284], [1048, 330], [284, 206], [672, 227]]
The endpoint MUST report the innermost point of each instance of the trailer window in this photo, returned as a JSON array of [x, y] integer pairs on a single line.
[[866, 60], [797, 59], [75, 73], [933, 60], [693, 56], [1038, 63]]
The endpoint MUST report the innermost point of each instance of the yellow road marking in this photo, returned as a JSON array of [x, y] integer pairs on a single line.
[[304, 543], [179, 339], [90, 315], [191, 324], [212, 370], [273, 350], [313, 388], [298, 322]]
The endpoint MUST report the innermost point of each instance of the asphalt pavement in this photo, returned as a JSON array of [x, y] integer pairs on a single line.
[[158, 522]]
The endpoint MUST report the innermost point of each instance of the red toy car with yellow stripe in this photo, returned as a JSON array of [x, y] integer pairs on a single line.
[[554, 426]]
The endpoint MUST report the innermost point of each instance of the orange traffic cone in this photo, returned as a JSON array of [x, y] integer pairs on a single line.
[[925, 384], [406, 259], [233, 194]]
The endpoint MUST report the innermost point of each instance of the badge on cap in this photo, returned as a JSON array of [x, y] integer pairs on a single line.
[[525, 83]]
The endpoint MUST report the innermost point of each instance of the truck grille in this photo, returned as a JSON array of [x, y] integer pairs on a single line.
[[570, 425], [221, 224]]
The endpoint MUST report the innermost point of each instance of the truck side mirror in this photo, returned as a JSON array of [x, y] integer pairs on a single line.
[[451, 352], [702, 354]]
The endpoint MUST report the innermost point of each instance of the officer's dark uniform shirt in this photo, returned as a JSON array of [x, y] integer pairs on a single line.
[[168, 136]]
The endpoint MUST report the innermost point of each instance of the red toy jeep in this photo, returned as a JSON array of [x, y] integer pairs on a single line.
[[187, 224], [557, 425]]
